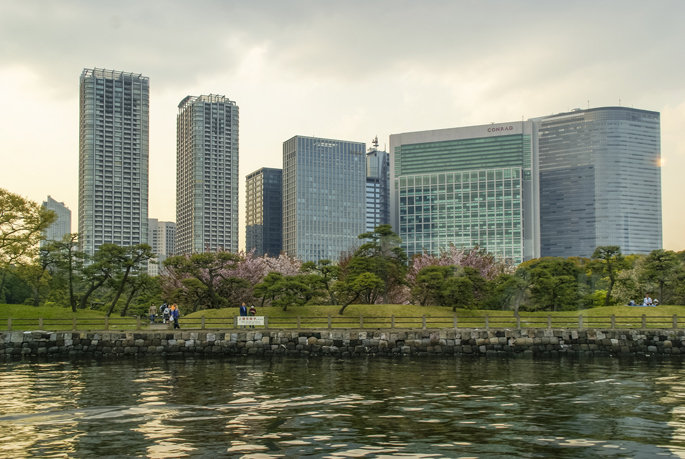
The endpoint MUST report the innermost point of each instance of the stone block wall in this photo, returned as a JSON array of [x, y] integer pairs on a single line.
[[345, 343]]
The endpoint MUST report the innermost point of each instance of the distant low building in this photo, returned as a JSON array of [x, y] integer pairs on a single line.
[[161, 237], [62, 225]]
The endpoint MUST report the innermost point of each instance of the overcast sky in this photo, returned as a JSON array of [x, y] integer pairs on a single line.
[[345, 70]]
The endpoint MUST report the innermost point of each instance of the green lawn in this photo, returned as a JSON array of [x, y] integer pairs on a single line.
[[374, 316], [410, 316]]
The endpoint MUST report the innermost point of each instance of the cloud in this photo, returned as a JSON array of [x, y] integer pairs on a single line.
[[346, 70]]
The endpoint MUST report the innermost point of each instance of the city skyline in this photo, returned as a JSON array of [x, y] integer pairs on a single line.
[[296, 74]]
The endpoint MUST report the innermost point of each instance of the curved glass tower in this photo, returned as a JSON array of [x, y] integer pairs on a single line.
[[600, 181]]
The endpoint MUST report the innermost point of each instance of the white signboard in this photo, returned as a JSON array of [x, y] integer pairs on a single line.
[[250, 320]]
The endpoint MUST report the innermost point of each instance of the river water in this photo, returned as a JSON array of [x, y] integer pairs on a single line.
[[328, 408]]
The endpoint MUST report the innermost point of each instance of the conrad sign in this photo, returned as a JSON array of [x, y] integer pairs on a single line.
[[500, 128]]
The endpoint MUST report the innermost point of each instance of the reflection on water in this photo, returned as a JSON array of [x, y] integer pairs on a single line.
[[329, 408]]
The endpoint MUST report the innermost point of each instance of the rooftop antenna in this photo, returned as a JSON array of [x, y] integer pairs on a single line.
[[619, 102], [588, 104], [375, 142]]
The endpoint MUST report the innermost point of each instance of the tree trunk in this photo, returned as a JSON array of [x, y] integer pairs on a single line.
[[72, 300], [36, 297], [2, 283], [84, 299], [661, 292], [119, 292], [611, 286], [347, 304], [128, 301]]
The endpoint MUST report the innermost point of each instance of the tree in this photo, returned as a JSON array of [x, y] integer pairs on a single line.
[[289, 291], [210, 268], [37, 273], [264, 289], [131, 259], [554, 282], [70, 260], [660, 267], [22, 223], [388, 258], [105, 264], [327, 273], [510, 289], [429, 283], [613, 262], [457, 292], [137, 284], [352, 288]]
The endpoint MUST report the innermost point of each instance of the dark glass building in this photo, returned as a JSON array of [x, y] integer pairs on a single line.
[[600, 181], [323, 197], [264, 211]]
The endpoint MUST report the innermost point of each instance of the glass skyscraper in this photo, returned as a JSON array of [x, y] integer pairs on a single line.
[[113, 158], [377, 188], [206, 174], [264, 211], [467, 186], [600, 181], [323, 196]]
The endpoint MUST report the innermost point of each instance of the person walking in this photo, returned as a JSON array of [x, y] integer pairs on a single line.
[[153, 312], [166, 314], [252, 312], [243, 312], [175, 313]]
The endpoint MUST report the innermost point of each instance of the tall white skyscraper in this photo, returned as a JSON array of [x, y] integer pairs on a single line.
[[113, 158], [161, 237], [377, 187], [206, 174], [62, 225]]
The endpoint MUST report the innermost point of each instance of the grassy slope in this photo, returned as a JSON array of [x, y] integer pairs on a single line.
[[386, 310], [21, 311]]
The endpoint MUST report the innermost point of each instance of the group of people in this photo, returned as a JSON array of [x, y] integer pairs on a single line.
[[168, 313], [244, 312], [647, 302]]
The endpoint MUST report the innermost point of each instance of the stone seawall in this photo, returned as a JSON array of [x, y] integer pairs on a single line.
[[345, 343]]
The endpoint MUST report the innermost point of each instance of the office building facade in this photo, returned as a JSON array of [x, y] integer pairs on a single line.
[[264, 211], [323, 197], [377, 187], [471, 186], [113, 158], [62, 226], [207, 174], [161, 237], [600, 181]]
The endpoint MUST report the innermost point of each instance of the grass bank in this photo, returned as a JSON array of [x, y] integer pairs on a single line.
[[387, 310]]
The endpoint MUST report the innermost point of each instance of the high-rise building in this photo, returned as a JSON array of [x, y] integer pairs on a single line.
[[467, 186], [600, 181], [377, 187], [161, 237], [264, 211], [61, 226], [113, 158], [323, 197], [206, 174]]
